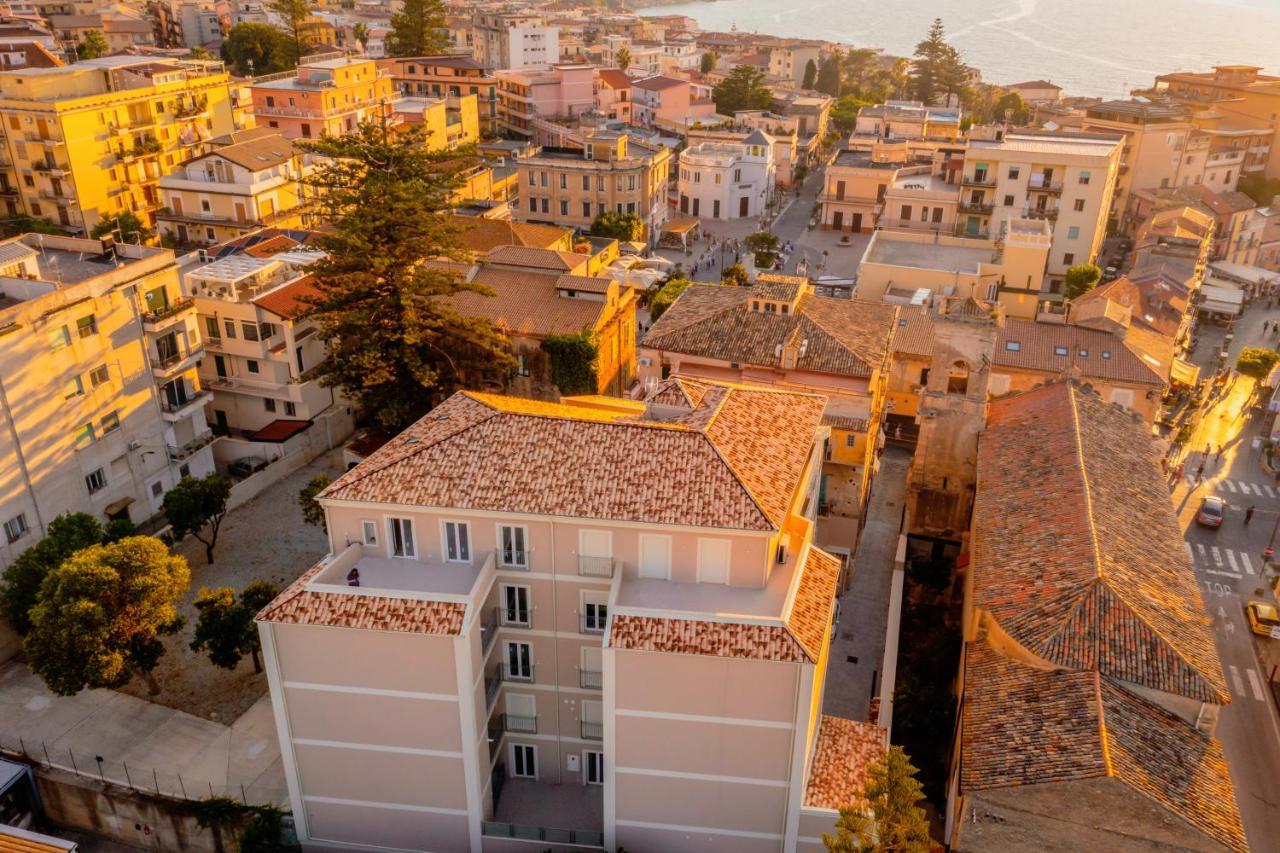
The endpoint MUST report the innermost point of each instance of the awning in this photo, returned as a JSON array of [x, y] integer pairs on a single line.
[[280, 430], [1184, 372], [116, 507], [1220, 299], [679, 225]]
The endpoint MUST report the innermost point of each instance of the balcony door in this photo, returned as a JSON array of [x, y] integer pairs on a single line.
[[175, 393], [655, 556]]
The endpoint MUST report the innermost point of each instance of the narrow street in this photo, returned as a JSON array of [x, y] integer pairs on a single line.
[[1230, 569]]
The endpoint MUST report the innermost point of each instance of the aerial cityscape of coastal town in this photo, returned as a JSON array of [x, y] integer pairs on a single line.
[[556, 427]]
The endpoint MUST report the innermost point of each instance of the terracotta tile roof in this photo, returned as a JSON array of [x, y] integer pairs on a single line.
[[913, 334], [810, 617], [297, 605], [614, 78], [484, 235], [658, 82], [1058, 562], [735, 462], [679, 391], [534, 258], [272, 246], [525, 303], [841, 755], [844, 422], [1153, 303], [289, 300], [1027, 726], [845, 337], [256, 154], [591, 284]]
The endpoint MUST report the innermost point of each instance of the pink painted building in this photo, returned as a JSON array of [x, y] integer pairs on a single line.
[[579, 626], [524, 97], [667, 101]]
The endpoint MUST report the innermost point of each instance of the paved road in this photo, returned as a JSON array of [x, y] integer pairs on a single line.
[[1229, 567]]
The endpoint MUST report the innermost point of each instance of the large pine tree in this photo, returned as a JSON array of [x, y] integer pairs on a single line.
[[418, 29], [929, 56], [384, 307]]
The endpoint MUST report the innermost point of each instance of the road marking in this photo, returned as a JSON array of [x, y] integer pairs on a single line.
[[1271, 493], [1191, 555], [1255, 684], [1200, 548], [1230, 485], [1231, 559], [1235, 575], [1248, 564], [1217, 556], [1238, 681]]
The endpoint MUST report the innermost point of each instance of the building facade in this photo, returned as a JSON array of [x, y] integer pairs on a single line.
[[327, 97], [722, 180], [448, 75], [514, 40]]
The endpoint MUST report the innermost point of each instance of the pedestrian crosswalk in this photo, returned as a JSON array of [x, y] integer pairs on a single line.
[[1236, 487], [1255, 690], [1223, 562]]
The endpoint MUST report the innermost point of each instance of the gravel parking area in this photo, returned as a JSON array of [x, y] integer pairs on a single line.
[[265, 539]]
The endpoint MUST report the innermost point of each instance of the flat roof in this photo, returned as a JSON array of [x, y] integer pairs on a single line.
[[928, 256], [234, 267]]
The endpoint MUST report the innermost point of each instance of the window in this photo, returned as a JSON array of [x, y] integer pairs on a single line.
[[96, 481], [1060, 350], [1084, 177], [253, 366], [250, 331], [519, 662], [1073, 233], [586, 209], [524, 761], [594, 616], [59, 338], [586, 182], [655, 556], [211, 327], [457, 542], [1106, 353], [564, 207], [850, 440], [1084, 353], [544, 204], [157, 489], [15, 528], [906, 212], [1069, 258], [511, 543], [542, 178], [533, 179], [290, 409], [1008, 201], [401, 530], [84, 435], [267, 330], [564, 181], [369, 532], [515, 605], [269, 404], [1014, 171], [87, 326], [1078, 205], [73, 388], [1013, 346], [229, 326], [110, 422], [99, 375], [594, 762]]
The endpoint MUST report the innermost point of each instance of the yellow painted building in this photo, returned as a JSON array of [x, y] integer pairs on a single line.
[[88, 141], [233, 190], [323, 97], [447, 123]]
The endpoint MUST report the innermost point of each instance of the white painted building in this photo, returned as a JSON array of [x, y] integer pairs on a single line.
[[727, 180]]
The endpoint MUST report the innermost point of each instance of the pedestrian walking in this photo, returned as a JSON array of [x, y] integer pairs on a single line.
[[1200, 473], [1248, 514], [1217, 456]]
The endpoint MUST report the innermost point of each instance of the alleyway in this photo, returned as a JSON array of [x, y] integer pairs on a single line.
[[857, 652]]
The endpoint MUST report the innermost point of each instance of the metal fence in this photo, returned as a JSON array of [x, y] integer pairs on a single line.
[[153, 781]]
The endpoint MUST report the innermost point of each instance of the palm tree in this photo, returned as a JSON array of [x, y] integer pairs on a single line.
[[361, 33]]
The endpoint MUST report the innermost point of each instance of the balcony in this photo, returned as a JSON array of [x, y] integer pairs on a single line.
[[162, 318], [1049, 213], [1039, 184], [492, 684], [596, 567], [978, 180], [510, 617], [592, 731], [171, 364], [353, 572], [174, 412], [982, 208], [195, 445], [590, 679], [488, 631], [513, 560], [963, 230], [516, 724], [523, 806]]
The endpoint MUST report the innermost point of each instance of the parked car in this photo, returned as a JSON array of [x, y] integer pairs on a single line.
[[1212, 510], [1264, 619], [246, 466]]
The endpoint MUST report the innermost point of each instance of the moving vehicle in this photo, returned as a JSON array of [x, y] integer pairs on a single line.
[[1264, 619], [1212, 510]]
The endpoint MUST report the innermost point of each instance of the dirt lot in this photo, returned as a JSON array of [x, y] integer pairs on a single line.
[[264, 539]]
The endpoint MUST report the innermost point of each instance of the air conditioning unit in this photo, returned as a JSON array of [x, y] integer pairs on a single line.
[[645, 361], [135, 445]]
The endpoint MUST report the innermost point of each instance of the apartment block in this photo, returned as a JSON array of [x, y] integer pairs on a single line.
[[613, 94], [528, 97], [790, 61], [102, 407], [785, 148], [233, 190], [324, 97], [261, 354], [90, 140], [909, 120], [726, 180], [853, 194], [572, 186], [514, 40], [448, 75], [446, 123], [667, 102], [1065, 179], [520, 633]]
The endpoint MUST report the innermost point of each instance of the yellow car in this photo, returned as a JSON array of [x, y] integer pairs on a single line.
[[1264, 619]]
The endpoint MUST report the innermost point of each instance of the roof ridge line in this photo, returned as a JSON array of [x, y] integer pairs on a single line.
[[1084, 479], [704, 432], [694, 322]]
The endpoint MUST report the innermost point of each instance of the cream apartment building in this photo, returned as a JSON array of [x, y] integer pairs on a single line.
[[101, 405], [597, 624], [726, 180], [233, 190], [261, 355], [1066, 179], [572, 186], [514, 40]]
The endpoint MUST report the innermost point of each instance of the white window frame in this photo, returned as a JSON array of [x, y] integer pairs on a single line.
[[19, 524], [463, 546], [411, 552], [369, 532], [506, 661], [595, 614], [586, 766], [505, 604], [640, 548], [728, 544], [531, 755], [502, 546]]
